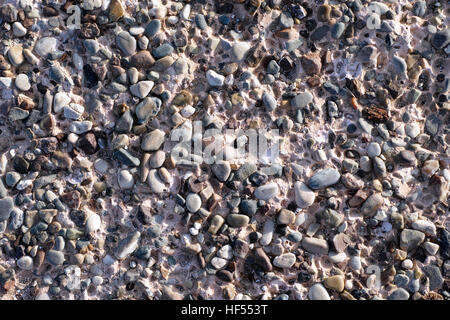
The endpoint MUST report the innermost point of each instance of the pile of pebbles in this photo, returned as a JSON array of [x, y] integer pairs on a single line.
[[95, 205]]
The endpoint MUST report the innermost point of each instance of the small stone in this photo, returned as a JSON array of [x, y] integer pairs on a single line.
[[239, 51], [237, 220], [372, 204], [335, 283], [304, 197], [399, 64], [193, 202], [248, 207], [286, 260], [45, 46], [19, 30], [6, 206], [266, 191], [55, 258], [324, 178], [125, 179], [337, 30], [315, 245], [269, 101], [373, 150], [214, 79], [22, 82], [93, 223], [267, 234], [318, 292], [141, 89], [25, 263], [221, 170], [126, 43], [410, 239], [152, 141], [128, 245], [399, 294]]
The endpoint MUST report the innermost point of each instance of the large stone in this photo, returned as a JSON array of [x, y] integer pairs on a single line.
[[267, 191], [152, 141], [411, 239], [372, 204]]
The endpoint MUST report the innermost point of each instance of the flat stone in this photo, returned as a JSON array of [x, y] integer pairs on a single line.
[[6, 206], [434, 276], [141, 89], [126, 43], [153, 140], [221, 170], [372, 204], [125, 179], [153, 28], [15, 55], [128, 245], [410, 239], [301, 100], [267, 233], [45, 46], [55, 258], [304, 196], [315, 245], [22, 82], [399, 294], [93, 223], [286, 260], [237, 220], [267, 191], [324, 178], [193, 202], [214, 79], [25, 263], [163, 50], [318, 292], [335, 283]]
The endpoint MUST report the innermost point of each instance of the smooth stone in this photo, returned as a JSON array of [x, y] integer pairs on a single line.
[[379, 167], [285, 217], [163, 64], [25, 263], [200, 21], [304, 196], [221, 170], [315, 245], [163, 50], [301, 100], [11, 178], [193, 202], [410, 239], [55, 258], [237, 220], [248, 207], [431, 248], [15, 55], [125, 179], [355, 263], [153, 28], [152, 141], [441, 39], [155, 182], [286, 260], [214, 79], [146, 109], [226, 252], [141, 89], [269, 101], [335, 283], [427, 227], [318, 292], [17, 114], [372, 204], [128, 245], [80, 127], [126, 43], [245, 171], [60, 100], [324, 178], [373, 150], [22, 82], [319, 33], [399, 64], [434, 276], [266, 191], [239, 51], [337, 30], [399, 294], [6, 206], [93, 223], [18, 29], [267, 234], [126, 158], [45, 46], [157, 159], [218, 263]]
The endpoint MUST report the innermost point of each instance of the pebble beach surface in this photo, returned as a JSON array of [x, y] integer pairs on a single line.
[[348, 201]]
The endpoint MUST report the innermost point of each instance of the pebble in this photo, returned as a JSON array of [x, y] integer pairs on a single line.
[[128, 245], [45, 46], [193, 202], [237, 220], [315, 245], [126, 43], [324, 178], [22, 82], [6, 207], [93, 223], [267, 233], [25, 263], [399, 294], [153, 140], [304, 197], [267, 191], [55, 258], [286, 260], [125, 179], [214, 79], [318, 292]]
